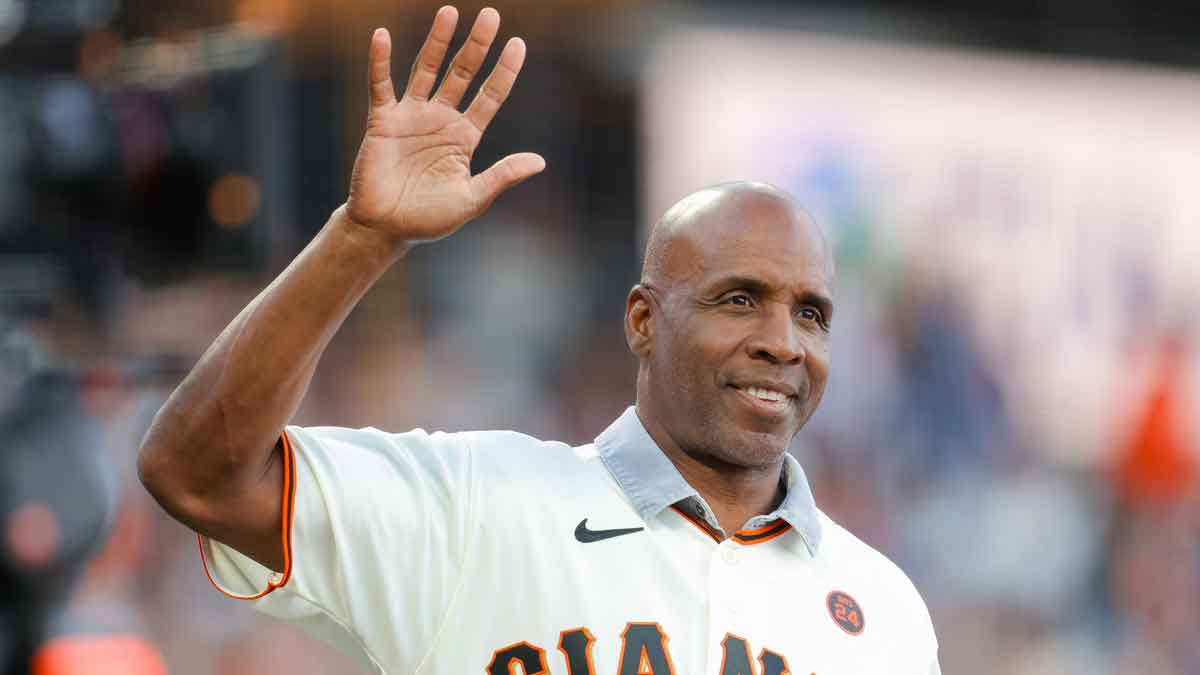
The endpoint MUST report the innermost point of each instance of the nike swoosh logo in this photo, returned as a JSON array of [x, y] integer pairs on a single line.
[[583, 534]]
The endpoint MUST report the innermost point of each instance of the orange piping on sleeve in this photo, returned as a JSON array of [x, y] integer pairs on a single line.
[[289, 505]]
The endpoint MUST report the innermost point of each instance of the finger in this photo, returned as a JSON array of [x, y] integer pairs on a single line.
[[433, 52], [468, 59], [496, 88], [503, 175], [379, 70]]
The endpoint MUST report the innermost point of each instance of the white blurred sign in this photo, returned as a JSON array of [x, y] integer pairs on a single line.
[[1060, 199]]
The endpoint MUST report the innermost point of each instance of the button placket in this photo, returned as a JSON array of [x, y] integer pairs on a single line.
[[729, 554], [727, 586], [722, 592]]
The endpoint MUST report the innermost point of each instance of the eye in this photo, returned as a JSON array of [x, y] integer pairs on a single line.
[[812, 314], [739, 299]]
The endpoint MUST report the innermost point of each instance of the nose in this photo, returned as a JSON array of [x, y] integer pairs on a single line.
[[776, 338]]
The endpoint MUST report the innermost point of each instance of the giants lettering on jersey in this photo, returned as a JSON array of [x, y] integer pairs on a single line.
[[643, 652]]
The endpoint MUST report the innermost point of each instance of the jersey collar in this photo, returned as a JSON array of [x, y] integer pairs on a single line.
[[652, 483]]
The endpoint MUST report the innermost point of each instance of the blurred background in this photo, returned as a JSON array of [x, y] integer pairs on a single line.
[[1013, 190]]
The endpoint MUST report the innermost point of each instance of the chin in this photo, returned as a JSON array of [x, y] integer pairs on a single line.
[[750, 449]]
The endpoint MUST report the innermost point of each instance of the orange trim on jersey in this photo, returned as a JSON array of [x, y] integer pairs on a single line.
[[759, 530], [746, 537], [704, 527], [761, 534], [285, 528]]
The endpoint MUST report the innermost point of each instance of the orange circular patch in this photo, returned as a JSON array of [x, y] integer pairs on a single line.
[[845, 612]]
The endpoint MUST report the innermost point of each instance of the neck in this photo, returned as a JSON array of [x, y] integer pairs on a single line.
[[735, 493]]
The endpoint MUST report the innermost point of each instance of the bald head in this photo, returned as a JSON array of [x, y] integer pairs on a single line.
[[674, 243]]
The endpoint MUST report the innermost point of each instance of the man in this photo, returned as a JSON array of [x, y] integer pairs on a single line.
[[684, 540]]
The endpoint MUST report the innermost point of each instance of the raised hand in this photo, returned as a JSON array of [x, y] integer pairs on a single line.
[[412, 178]]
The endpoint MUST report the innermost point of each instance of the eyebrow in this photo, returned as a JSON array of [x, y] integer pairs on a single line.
[[755, 285]]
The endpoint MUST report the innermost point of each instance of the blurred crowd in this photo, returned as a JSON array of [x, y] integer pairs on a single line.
[[152, 186]]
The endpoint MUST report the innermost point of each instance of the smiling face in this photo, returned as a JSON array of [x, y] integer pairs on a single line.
[[731, 325]]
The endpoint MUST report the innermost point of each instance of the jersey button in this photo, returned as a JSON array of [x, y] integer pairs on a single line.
[[729, 555]]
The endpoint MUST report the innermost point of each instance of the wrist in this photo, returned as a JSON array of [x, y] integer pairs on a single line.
[[371, 240]]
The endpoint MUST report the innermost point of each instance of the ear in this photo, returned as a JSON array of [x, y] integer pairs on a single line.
[[639, 326]]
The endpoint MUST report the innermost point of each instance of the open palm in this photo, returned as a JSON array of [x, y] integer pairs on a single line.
[[412, 178]]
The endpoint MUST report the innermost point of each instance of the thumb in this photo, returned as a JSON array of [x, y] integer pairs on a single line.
[[503, 175]]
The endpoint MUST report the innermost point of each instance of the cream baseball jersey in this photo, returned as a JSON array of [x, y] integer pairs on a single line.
[[494, 552]]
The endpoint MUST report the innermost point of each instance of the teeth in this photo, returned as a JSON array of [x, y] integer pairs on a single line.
[[766, 394]]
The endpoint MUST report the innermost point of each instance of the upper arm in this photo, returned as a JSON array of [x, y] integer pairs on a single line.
[[244, 511], [255, 521]]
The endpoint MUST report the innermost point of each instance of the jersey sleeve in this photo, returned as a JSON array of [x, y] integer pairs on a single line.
[[379, 529]]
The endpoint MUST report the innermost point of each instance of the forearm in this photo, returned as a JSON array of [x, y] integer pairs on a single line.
[[216, 432], [209, 456]]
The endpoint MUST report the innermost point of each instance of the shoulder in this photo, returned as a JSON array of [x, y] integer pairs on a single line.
[[370, 439], [513, 457], [856, 559], [377, 467], [848, 550], [495, 452], [505, 441], [342, 446]]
